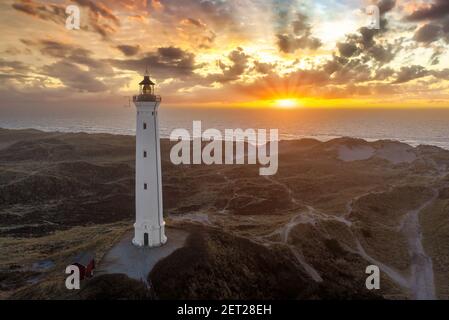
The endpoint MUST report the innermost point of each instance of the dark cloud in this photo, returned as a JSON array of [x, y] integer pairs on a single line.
[[57, 49], [101, 19], [74, 77], [263, 67], [407, 74], [172, 53], [128, 50], [230, 72], [13, 66], [165, 62], [239, 65], [428, 33], [446, 26], [347, 49], [386, 6], [437, 15], [361, 58], [382, 54], [290, 43], [98, 9], [48, 12], [300, 37], [71, 53], [194, 22], [441, 74], [383, 74], [353, 71], [12, 51], [437, 10], [437, 52], [368, 47], [433, 32]]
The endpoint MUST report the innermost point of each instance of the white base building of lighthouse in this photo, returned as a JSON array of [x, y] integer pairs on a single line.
[[149, 228]]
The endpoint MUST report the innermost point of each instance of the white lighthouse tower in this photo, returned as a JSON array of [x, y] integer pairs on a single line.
[[149, 229]]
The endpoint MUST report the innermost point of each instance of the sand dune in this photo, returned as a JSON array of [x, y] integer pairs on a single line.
[[308, 232]]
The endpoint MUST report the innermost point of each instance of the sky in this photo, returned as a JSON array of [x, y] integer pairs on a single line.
[[240, 53]]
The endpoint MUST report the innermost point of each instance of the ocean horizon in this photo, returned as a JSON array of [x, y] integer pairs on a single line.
[[411, 126]]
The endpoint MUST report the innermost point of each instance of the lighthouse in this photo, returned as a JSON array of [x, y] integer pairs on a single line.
[[149, 228]]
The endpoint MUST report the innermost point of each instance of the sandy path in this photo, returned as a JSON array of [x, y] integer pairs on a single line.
[[421, 281], [284, 233]]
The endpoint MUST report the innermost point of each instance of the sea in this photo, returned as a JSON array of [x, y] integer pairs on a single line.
[[412, 126]]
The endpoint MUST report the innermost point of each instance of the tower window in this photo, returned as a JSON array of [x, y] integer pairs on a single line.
[[144, 125], [144, 154], [145, 186]]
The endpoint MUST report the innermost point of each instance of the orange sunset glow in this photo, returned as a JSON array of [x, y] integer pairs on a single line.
[[251, 53]]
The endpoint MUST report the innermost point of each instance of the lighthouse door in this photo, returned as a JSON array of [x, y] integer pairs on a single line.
[[145, 239]]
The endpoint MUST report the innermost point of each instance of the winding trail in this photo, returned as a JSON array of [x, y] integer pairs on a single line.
[[284, 233], [393, 274], [421, 282]]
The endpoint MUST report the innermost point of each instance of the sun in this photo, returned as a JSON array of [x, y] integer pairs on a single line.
[[286, 103]]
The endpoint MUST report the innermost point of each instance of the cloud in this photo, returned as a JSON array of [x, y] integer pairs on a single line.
[[407, 74], [197, 32], [347, 49], [428, 33], [164, 63], [48, 12], [194, 22], [437, 16], [128, 50], [230, 72], [263, 67], [239, 65], [367, 46], [13, 66], [74, 77], [299, 38], [437, 10], [58, 49], [71, 53], [383, 74], [386, 6], [99, 10], [363, 62], [441, 74], [101, 19], [290, 43]]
